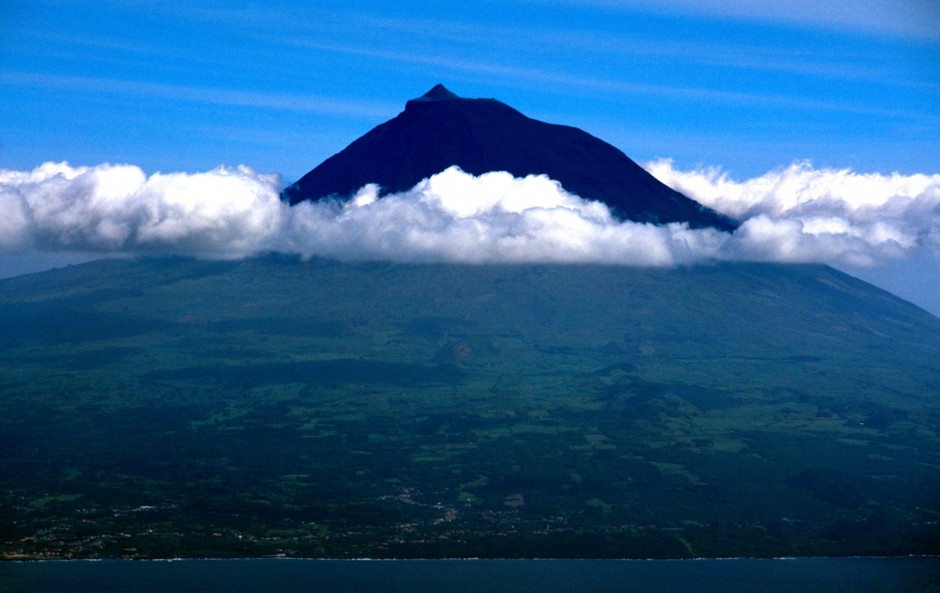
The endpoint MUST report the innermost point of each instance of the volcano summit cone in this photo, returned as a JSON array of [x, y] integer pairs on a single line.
[[441, 129]]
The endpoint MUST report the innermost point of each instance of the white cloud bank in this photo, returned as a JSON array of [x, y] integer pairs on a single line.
[[55, 207], [797, 214], [801, 214]]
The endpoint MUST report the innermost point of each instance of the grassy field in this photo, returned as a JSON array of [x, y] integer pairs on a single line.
[[171, 407]]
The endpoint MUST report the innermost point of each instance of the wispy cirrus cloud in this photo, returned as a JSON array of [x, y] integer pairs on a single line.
[[295, 102], [826, 63], [896, 18], [537, 78]]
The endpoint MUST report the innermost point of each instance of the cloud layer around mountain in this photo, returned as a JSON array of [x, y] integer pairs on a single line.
[[794, 214], [803, 214], [219, 213]]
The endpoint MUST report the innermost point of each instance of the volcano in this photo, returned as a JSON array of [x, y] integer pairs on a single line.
[[364, 410], [440, 129]]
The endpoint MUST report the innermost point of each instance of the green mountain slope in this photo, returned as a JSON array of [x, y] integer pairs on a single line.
[[171, 407]]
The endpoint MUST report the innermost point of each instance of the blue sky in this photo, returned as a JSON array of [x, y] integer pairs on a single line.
[[280, 86], [749, 86]]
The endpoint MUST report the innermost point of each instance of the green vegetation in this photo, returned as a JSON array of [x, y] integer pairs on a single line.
[[171, 407]]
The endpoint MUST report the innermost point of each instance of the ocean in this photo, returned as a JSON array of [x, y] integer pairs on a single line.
[[829, 575]]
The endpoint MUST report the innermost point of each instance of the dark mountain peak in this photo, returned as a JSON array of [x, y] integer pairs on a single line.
[[442, 100], [441, 129], [438, 93]]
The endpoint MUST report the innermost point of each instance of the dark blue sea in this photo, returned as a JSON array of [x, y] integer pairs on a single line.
[[828, 575]]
